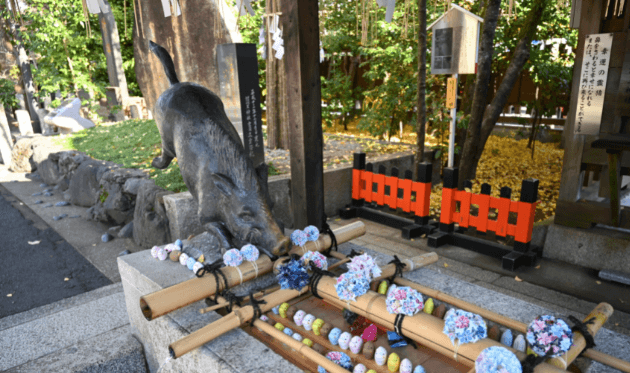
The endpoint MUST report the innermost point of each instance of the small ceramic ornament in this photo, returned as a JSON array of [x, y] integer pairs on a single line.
[[369, 334], [183, 259], [355, 344], [170, 247], [316, 347], [344, 340], [307, 342], [162, 254], [393, 362], [179, 243], [428, 306], [494, 333], [333, 336], [283, 310], [299, 317], [507, 338], [197, 266], [326, 328], [317, 326], [288, 331], [154, 251], [264, 318], [519, 343], [406, 366], [307, 323], [297, 337], [279, 326], [291, 312], [439, 311], [380, 356], [359, 368], [368, 350], [382, 287], [419, 369], [175, 255], [276, 310], [190, 262]]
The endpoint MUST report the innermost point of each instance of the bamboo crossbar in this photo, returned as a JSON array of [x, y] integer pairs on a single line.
[[180, 295], [242, 315], [579, 343]]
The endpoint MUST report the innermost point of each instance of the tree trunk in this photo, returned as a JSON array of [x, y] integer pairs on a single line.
[[482, 85], [273, 124], [535, 120], [422, 81]]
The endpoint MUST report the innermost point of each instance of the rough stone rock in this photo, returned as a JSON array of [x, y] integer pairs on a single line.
[[117, 205], [132, 185], [113, 231], [69, 162], [22, 156], [126, 231], [85, 186], [150, 224], [63, 185], [49, 172]]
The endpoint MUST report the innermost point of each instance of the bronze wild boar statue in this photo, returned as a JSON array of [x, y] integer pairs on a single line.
[[234, 204]]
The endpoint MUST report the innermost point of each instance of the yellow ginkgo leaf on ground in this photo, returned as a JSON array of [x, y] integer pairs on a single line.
[[518, 279]]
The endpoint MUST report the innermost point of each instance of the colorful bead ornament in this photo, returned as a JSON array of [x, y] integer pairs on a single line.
[[288, 331], [355, 344], [497, 359], [308, 321], [162, 254], [264, 318], [333, 336], [250, 253], [315, 257], [307, 342], [299, 238], [519, 343], [419, 369], [190, 262], [507, 338], [183, 259], [279, 326], [179, 243], [297, 336], [466, 327], [312, 233], [196, 267], [171, 247], [369, 334], [154, 251], [232, 258], [292, 275], [359, 368], [344, 340], [364, 264], [317, 326], [393, 362], [428, 306], [276, 310], [546, 333], [406, 366], [299, 317], [404, 300], [283, 310], [351, 285], [380, 356]]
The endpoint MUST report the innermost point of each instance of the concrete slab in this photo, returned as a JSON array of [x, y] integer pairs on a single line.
[[40, 337], [6, 143], [24, 121], [113, 351]]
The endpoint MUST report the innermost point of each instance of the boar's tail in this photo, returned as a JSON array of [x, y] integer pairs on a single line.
[[167, 61]]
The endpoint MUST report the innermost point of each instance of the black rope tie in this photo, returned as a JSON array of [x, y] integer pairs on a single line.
[[579, 326], [293, 256], [318, 273], [398, 329], [256, 305], [215, 269], [327, 230], [531, 361], [353, 254], [232, 299], [399, 268]]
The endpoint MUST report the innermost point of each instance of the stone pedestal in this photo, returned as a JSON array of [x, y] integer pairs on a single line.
[[233, 352]]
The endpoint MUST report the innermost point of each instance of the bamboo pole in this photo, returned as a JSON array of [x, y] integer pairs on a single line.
[[242, 315], [422, 328], [180, 295], [598, 356]]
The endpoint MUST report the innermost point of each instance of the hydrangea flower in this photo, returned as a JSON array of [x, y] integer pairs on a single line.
[[366, 264], [546, 333], [351, 285], [466, 327], [497, 359], [404, 300], [292, 275]]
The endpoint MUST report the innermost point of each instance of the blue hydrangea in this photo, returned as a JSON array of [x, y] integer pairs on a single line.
[[292, 275]]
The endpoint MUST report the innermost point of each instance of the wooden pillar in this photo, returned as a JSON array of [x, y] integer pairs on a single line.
[[111, 47], [303, 92]]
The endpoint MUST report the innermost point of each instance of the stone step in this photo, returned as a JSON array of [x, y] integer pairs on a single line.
[[87, 333]]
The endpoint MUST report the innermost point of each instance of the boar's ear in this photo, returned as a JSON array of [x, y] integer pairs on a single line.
[[223, 183]]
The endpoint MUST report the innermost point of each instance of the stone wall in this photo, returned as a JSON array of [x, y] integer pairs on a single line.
[[190, 38]]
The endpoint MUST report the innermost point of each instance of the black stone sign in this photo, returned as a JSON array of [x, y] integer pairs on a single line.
[[240, 93]]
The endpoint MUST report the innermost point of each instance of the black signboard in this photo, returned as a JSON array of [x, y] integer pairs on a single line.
[[239, 90]]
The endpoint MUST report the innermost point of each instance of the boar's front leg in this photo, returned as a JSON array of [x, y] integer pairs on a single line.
[[223, 236], [162, 162]]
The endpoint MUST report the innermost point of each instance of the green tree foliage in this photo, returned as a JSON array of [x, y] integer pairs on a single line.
[[67, 57], [7, 93]]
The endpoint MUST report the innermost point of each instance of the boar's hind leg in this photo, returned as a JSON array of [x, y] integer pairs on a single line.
[[223, 236]]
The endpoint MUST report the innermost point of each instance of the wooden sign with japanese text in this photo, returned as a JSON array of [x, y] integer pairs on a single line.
[[592, 88], [451, 93]]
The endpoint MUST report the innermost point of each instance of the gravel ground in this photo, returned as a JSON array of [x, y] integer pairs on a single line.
[[338, 152]]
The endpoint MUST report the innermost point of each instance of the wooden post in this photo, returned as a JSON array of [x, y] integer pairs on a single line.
[[303, 90]]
